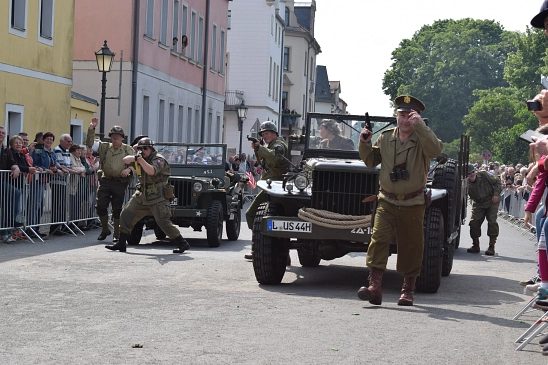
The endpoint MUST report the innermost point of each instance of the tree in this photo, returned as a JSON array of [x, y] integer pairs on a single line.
[[444, 63]]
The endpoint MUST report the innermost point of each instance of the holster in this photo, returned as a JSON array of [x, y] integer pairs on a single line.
[[168, 192], [427, 197]]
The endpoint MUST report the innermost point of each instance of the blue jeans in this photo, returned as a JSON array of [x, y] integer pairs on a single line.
[[11, 206]]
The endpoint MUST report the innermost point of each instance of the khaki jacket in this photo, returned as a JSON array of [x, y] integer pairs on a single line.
[[111, 158], [482, 190], [416, 152], [274, 165]]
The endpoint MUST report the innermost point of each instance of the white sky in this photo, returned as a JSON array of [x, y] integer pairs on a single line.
[[357, 38]]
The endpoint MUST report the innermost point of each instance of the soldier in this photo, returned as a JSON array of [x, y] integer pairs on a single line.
[[114, 176], [150, 197], [332, 139], [405, 153], [274, 165], [484, 191]]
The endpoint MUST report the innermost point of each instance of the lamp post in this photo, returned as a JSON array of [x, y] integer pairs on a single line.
[[241, 110], [104, 59]]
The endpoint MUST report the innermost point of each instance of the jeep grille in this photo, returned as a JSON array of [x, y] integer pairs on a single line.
[[183, 192], [342, 192]]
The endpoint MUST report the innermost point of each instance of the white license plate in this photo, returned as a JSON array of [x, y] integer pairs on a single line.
[[289, 226]]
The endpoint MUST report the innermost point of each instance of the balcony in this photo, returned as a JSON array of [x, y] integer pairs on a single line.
[[233, 98]]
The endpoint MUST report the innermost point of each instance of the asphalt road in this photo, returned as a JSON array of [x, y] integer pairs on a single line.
[[70, 301]]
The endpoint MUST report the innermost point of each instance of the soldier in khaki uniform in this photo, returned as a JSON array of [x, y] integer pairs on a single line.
[[332, 139], [274, 165], [404, 153], [114, 176], [150, 197], [484, 191]]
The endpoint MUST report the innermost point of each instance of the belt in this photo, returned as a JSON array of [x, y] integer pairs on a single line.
[[403, 196]]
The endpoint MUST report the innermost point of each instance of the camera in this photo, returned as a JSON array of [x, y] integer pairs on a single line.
[[399, 172], [533, 105]]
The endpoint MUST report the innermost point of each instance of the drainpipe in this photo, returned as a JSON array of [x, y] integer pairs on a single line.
[[206, 70], [134, 69], [281, 78]]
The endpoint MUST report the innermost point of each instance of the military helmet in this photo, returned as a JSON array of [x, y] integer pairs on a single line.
[[471, 168], [268, 126], [145, 142], [116, 130]]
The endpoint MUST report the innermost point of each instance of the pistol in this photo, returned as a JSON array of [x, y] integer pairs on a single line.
[[252, 139]]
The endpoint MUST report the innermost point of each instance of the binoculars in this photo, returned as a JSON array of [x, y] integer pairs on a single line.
[[399, 172]]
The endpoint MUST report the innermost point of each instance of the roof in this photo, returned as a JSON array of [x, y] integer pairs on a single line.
[[303, 16], [322, 93], [75, 95]]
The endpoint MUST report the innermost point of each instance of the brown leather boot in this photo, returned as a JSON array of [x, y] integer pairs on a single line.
[[475, 246], [372, 293], [491, 250], [407, 291]]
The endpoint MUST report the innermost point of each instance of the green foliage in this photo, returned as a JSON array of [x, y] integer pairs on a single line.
[[444, 63], [452, 149]]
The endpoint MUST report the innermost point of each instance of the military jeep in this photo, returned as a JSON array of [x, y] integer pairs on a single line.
[[325, 207], [204, 195]]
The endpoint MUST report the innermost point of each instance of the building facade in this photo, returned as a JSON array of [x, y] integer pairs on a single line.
[[172, 70], [36, 65]]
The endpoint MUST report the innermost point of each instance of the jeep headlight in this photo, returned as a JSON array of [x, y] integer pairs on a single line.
[[301, 182], [197, 187]]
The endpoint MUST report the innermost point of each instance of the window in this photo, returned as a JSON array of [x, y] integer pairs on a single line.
[[175, 31], [284, 99], [276, 34], [287, 16], [161, 120], [272, 25], [306, 63], [192, 35], [14, 119], [200, 57], [146, 115], [286, 58], [180, 124], [218, 129], [46, 19], [213, 46], [270, 78], [163, 22], [196, 137], [149, 30], [171, 136], [188, 136], [212, 132], [18, 18], [222, 54], [184, 33]]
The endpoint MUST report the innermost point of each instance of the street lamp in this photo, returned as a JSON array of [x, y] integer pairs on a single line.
[[104, 59], [241, 110]]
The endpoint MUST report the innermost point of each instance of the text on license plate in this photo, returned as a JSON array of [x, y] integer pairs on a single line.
[[289, 226]]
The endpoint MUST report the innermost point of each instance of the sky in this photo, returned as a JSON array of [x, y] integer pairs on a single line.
[[357, 38]]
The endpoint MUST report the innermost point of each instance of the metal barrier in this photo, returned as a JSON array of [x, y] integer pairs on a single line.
[[512, 209]]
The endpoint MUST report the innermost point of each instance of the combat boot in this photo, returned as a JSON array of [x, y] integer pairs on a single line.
[[121, 244], [372, 293], [116, 224], [407, 291], [475, 246], [491, 250], [182, 244], [105, 231]]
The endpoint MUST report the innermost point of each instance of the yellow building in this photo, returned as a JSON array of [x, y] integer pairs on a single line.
[[36, 65]]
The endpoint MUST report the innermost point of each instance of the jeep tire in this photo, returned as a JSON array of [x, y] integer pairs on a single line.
[[308, 259], [233, 225], [269, 253], [214, 223], [430, 277]]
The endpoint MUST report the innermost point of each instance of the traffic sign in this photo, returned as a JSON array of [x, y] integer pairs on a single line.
[[486, 155]]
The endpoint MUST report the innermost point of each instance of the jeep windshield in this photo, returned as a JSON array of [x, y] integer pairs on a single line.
[[192, 154], [331, 135]]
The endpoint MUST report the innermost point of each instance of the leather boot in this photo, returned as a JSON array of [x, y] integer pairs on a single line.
[[121, 244], [372, 293], [475, 246], [407, 291], [105, 231], [491, 250], [116, 224], [249, 256], [182, 244]]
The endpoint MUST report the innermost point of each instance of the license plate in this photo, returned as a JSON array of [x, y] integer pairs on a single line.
[[289, 226]]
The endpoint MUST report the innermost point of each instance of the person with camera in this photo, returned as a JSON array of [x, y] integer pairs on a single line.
[[404, 153], [484, 191], [152, 196], [114, 176], [271, 153]]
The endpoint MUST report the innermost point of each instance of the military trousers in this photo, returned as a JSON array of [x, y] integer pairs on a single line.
[[251, 212], [479, 214], [408, 223], [134, 211], [110, 191]]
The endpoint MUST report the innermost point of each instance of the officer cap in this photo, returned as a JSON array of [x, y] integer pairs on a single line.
[[145, 142], [471, 168], [268, 126], [116, 130], [538, 20], [406, 103]]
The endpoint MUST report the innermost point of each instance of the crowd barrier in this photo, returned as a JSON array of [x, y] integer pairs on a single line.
[[512, 209], [65, 202]]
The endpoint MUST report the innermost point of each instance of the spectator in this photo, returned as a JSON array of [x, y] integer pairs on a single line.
[[9, 193], [59, 186], [244, 164], [76, 181], [236, 164], [93, 182], [286, 117], [175, 41], [294, 118]]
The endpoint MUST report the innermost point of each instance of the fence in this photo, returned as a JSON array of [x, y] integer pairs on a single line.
[[512, 209], [42, 199]]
